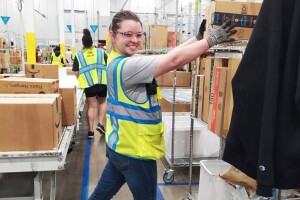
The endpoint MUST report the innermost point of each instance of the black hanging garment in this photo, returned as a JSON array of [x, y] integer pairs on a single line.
[[264, 135]]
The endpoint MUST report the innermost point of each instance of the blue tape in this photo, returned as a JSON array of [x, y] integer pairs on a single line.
[[86, 172], [159, 195]]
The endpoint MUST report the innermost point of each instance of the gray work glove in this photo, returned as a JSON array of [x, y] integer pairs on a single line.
[[220, 34], [201, 30]]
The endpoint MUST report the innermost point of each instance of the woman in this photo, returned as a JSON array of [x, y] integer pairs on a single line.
[[134, 134], [90, 67]]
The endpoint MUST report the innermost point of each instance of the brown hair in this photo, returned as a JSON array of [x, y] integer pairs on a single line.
[[87, 40], [123, 15]]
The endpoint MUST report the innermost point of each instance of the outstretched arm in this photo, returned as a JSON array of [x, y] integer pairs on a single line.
[[193, 48]]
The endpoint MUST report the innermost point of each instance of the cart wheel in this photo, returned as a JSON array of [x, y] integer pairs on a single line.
[[168, 177]]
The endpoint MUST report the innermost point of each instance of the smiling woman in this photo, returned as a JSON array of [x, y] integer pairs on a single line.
[[134, 129]]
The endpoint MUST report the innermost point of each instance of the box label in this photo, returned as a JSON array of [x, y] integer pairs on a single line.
[[245, 21]]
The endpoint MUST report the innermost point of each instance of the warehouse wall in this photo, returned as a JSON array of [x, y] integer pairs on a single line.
[[87, 12]]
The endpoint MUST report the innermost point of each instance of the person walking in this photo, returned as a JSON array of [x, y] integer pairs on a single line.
[[134, 128], [90, 68]]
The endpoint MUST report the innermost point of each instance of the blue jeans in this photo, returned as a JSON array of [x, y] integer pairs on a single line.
[[140, 175]]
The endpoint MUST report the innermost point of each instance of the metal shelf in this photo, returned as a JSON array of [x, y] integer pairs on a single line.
[[182, 162], [182, 96], [28, 161]]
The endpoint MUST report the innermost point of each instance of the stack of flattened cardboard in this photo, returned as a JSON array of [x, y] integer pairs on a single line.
[[198, 96], [217, 94]]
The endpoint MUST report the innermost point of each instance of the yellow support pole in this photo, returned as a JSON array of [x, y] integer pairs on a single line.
[[31, 47]]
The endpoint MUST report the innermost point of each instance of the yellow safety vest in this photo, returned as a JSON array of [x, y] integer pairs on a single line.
[[56, 60], [133, 129], [92, 67]]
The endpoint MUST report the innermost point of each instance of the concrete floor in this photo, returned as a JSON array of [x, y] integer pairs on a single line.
[[69, 181]]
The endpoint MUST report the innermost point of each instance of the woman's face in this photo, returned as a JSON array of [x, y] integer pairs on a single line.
[[127, 38]]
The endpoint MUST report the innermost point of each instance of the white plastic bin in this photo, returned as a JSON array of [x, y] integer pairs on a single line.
[[212, 187], [205, 143]]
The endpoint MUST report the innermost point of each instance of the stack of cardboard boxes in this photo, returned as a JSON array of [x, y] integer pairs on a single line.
[[214, 91], [35, 109]]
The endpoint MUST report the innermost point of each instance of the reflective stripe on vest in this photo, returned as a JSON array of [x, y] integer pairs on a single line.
[[101, 68], [90, 61], [134, 113], [133, 129], [85, 70]]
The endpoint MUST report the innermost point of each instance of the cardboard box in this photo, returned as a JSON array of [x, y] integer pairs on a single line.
[[198, 95], [161, 36], [183, 79], [30, 122], [232, 68], [166, 106], [216, 109], [41, 71], [244, 14], [14, 85], [183, 99], [69, 105], [210, 63], [70, 71], [12, 75]]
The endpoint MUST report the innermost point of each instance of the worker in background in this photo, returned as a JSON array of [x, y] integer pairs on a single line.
[[134, 128], [57, 58], [90, 67]]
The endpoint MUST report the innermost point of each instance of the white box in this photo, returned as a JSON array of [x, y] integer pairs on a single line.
[[205, 143], [212, 186]]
